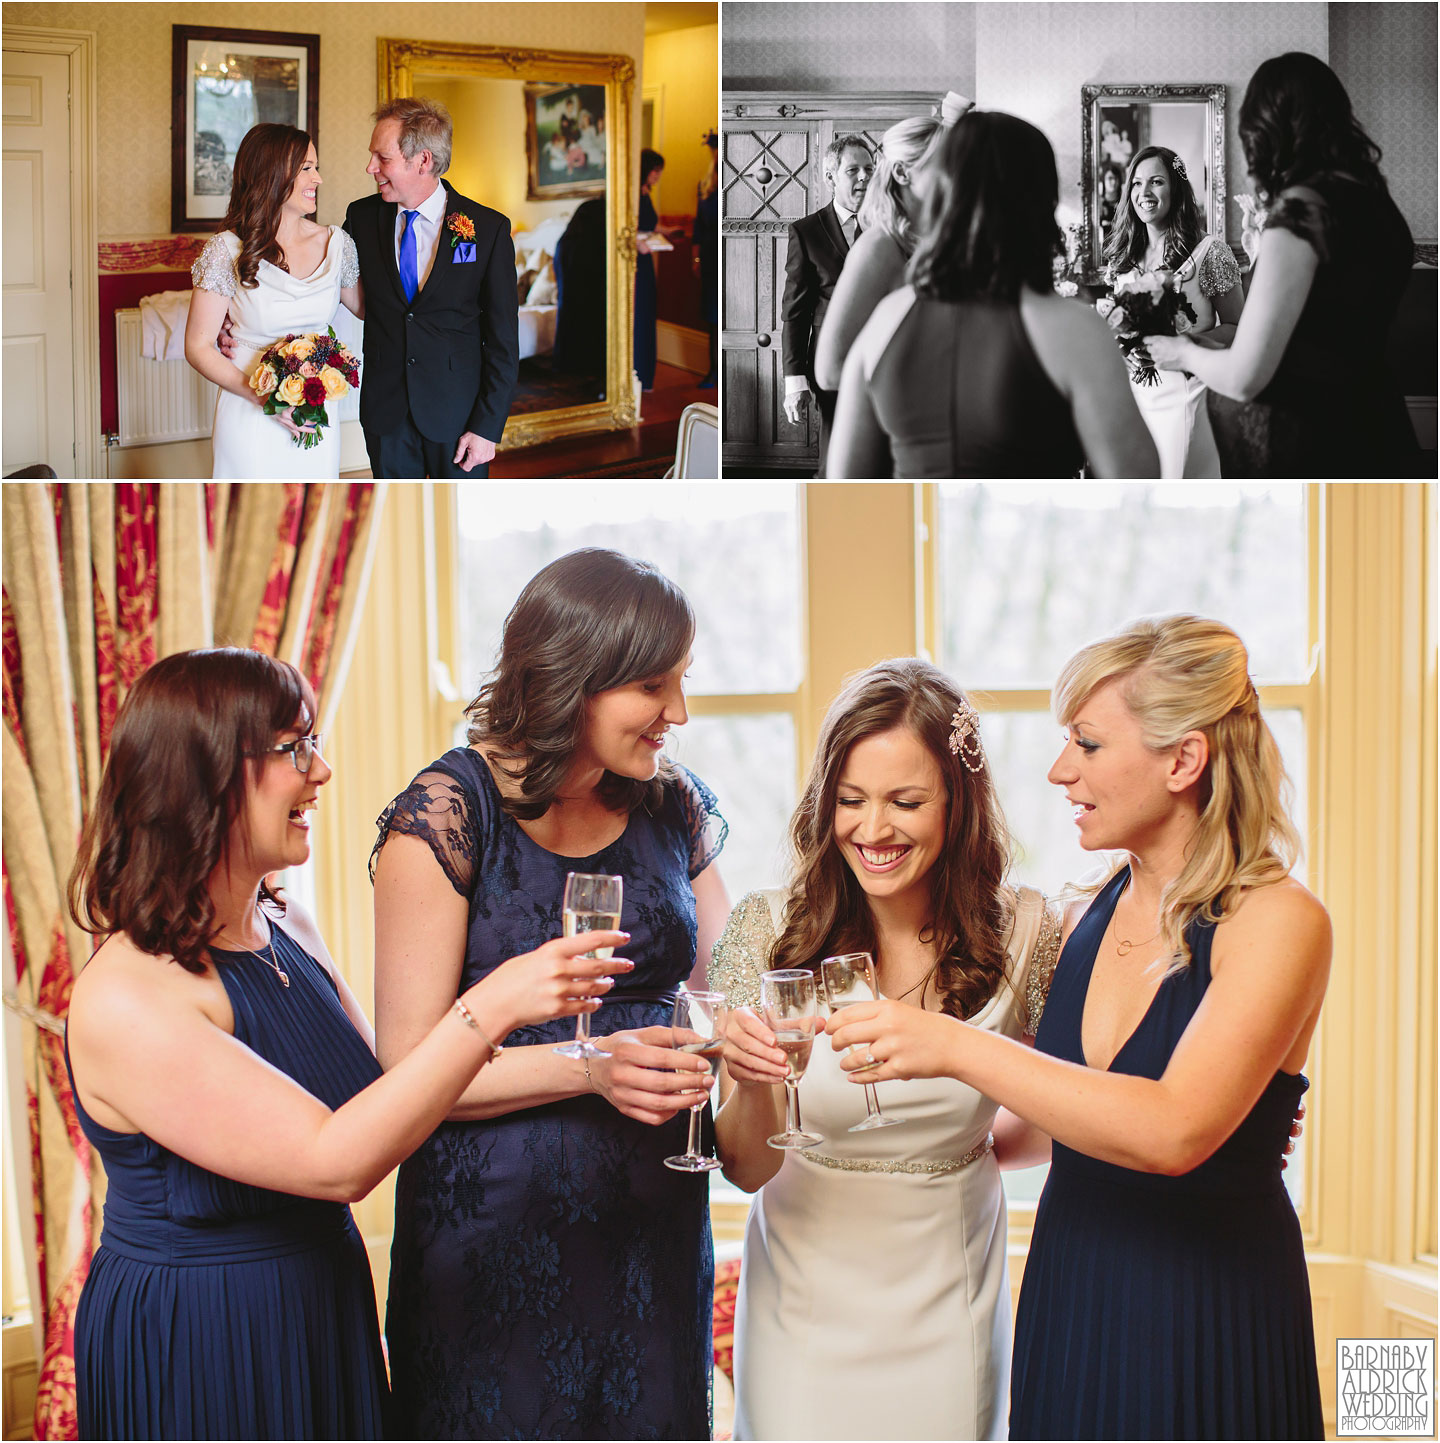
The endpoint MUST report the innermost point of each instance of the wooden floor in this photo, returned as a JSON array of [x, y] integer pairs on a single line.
[[644, 450]]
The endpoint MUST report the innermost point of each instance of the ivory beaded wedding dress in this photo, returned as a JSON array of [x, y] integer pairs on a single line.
[[246, 442], [874, 1297]]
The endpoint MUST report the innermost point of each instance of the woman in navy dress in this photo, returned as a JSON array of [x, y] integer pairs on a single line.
[[1304, 389], [1165, 1294], [550, 1277], [225, 1074], [652, 164]]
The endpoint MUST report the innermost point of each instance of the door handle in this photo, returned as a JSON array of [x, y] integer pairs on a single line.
[[762, 340]]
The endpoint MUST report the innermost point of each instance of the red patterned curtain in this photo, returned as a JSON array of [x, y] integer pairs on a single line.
[[99, 580]]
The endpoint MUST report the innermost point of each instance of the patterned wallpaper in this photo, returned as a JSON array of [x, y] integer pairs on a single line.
[[134, 78], [889, 45], [1385, 54], [1032, 60]]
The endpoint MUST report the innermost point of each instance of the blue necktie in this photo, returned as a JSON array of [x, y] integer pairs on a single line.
[[409, 268]]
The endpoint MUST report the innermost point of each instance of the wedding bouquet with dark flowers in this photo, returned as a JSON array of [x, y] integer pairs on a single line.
[[303, 373], [1152, 302]]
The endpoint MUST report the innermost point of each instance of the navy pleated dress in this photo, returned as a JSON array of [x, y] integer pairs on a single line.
[[218, 1310], [550, 1276], [1164, 1307]]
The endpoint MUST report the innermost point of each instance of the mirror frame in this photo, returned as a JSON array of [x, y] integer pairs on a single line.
[[1092, 97], [400, 60]]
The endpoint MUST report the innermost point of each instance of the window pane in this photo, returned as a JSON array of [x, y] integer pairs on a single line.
[[749, 763], [1021, 746], [734, 549], [1028, 573]]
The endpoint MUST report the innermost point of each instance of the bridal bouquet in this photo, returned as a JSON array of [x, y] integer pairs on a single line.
[[1151, 300], [304, 372]]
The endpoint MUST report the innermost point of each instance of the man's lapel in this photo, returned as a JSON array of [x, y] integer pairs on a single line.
[[444, 252], [833, 230]]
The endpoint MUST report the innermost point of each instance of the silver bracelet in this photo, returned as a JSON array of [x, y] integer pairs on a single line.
[[468, 1018]]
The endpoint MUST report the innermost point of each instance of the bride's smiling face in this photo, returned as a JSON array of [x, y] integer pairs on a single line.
[[1150, 191], [302, 194]]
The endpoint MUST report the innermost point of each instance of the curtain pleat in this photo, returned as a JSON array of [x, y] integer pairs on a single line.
[[100, 580]]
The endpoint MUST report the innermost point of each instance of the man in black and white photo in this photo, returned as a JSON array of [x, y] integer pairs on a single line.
[[814, 257]]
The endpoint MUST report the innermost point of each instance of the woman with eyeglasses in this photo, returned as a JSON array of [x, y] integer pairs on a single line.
[[226, 1075]]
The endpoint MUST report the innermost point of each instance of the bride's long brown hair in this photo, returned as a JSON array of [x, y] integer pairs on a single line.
[[269, 159], [971, 908]]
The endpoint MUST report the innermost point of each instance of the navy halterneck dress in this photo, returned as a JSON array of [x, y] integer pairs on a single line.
[[214, 1309], [550, 1276], [1163, 1307]]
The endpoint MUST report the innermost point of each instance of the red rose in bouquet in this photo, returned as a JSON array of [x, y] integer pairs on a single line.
[[300, 374]]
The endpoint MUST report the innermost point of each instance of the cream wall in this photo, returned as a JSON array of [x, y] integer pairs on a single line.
[[489, 162], [133, 65], [1031, 60], [1385, 55], [682, 65], [828, 46]]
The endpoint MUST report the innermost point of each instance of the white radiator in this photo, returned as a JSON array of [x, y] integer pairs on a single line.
[[159, 400], [171, 401]]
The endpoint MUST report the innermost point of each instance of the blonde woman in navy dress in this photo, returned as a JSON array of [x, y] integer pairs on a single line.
[[1165, 1293], [225, 1074]]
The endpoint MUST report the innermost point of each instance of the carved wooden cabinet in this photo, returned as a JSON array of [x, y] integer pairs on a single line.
[[772, 149]]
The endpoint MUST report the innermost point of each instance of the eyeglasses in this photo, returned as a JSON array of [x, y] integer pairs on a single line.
[[303, 750]]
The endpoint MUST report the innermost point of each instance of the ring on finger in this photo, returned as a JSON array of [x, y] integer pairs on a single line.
[[870, 1059]]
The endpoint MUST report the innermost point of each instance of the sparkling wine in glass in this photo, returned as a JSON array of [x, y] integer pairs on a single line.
[[791, 1009], [698, 1027], [592, 904], [848, 979]]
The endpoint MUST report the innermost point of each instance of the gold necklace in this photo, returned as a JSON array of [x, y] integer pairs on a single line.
[[269, 961]]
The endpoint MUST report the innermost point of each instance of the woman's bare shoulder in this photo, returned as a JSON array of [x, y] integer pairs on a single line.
[[1286, 903], [122, 989], [880, 329]]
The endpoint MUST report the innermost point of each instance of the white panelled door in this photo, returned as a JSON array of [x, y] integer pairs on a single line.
[[39, 416]]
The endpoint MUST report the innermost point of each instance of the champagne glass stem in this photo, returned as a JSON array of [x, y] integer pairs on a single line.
[[582, 1027], [872, 1102], [792, 1106], [692, 1140]]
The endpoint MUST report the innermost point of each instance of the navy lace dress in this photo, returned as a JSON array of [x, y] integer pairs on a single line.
[[218, 1310], [1163, 1307], [550, 1276]]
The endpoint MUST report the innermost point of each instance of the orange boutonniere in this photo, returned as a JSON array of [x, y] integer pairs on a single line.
[[462, 228]]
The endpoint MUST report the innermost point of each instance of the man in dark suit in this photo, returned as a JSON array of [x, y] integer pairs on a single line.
[[441, 328], [813, 259]]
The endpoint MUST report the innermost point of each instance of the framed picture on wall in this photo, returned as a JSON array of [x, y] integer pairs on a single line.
[[564, 140], [224, 82]]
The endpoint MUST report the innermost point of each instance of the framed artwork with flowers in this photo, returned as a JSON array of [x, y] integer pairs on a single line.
[[565, 145], [223, 82]]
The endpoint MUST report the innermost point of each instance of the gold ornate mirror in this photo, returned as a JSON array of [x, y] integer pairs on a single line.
[[544, 137]]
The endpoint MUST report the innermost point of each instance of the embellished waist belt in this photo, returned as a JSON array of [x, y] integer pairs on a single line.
[[928, 1168]]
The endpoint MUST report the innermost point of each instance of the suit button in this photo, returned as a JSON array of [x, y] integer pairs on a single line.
[[409, 315], [411, 361]]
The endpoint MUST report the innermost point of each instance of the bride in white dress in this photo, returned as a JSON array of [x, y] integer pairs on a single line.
[[274, 272], [1158, 228], [874, 1297]]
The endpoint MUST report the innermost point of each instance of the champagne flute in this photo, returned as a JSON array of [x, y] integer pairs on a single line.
[[705, 1013], [592, 904], [788, 1000], [848, 979]]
